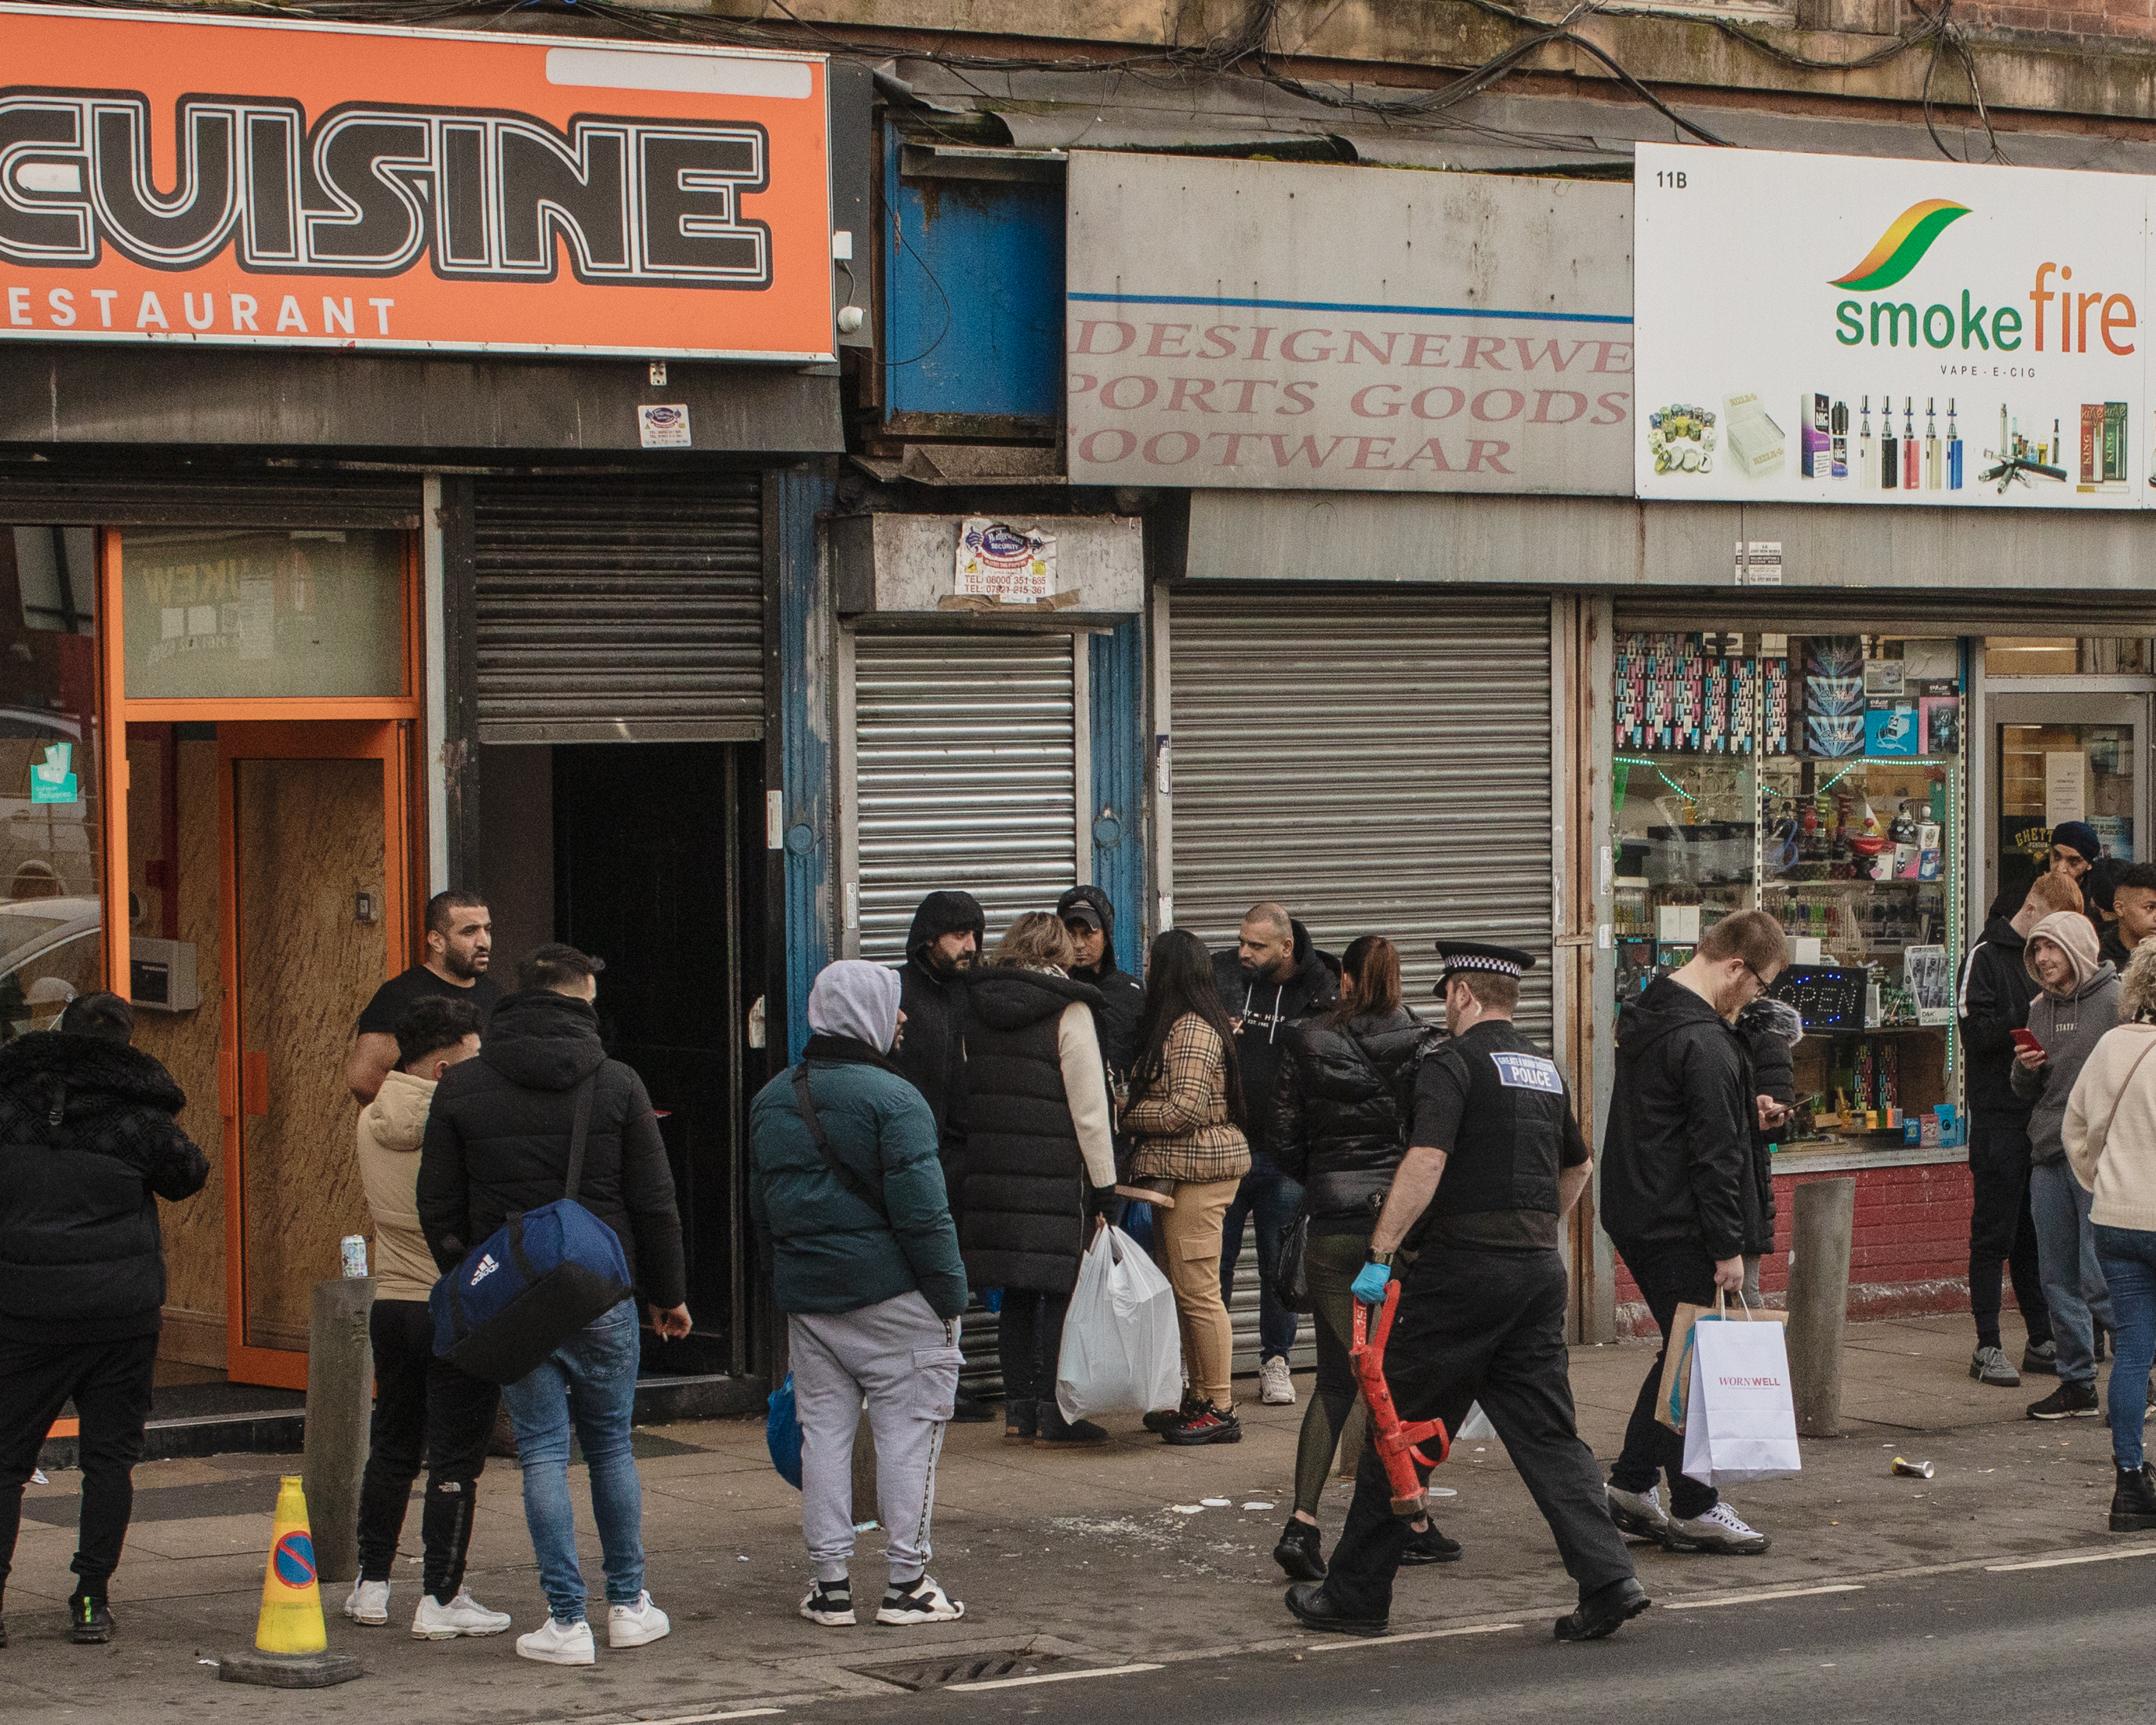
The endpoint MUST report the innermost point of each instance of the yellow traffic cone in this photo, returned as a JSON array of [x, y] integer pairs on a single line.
[[291, 1621]]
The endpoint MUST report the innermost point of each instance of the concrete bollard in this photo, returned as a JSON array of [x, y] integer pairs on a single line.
[[340, 1395], [1819, 1301]]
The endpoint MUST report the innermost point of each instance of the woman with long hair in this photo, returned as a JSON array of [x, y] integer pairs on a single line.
[[1185, 1117], [1339, 1129], [1040, 1166]]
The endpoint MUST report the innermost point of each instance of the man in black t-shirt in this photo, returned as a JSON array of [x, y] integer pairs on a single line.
[[459, 941], [1495, 1162]]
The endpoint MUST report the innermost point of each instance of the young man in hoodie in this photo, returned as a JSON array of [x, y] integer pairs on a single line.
[[2076, 1003], [1275, 977], [1089, 919], [1996, 988], [1676, 1159], [497, 1143], [847, 1185], [89, 1140], [422, 1404]]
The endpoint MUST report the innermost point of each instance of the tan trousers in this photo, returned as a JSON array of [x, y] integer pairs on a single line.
[[1189, 1237]]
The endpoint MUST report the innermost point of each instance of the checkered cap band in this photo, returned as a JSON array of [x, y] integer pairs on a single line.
[[1476, 961]]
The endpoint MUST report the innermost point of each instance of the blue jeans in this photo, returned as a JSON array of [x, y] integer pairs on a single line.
[[2129, 1255], [2065, 1257], [1270, 1197], [589, 1382]]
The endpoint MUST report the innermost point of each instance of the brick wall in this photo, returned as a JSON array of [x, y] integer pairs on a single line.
[[2097, 21], [1909, 1253]]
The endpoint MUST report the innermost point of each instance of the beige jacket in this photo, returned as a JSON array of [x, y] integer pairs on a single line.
[[390, 1129], [2111, 1128]]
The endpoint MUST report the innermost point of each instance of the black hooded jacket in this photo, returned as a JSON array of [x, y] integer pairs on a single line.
[[1996, 989], [498, 1134], [1262, 1009], [1340, 1115], [1677, 1156], [1123, 995], [81, 1255], [932, 1053]]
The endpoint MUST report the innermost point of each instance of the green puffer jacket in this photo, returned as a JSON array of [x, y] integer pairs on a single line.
[[830, 1252]]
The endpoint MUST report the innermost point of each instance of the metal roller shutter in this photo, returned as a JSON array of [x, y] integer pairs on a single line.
[[1380, 764], [965, 764], [616, 609], [2029, 611]]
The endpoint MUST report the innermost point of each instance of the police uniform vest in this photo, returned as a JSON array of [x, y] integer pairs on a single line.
[[1498, 1105]]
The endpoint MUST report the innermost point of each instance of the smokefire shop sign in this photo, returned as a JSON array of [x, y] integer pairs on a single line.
[[1262, 324], [226, 180]]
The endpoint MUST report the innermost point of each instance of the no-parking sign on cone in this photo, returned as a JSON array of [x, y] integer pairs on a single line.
[[294, 1646]]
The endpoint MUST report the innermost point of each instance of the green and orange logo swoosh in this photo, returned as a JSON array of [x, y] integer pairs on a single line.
[[1902, 246]]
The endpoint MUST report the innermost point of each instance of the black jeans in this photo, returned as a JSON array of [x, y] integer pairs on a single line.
[[109, 1383], [1668, 1277], [422, 1404], [1029, 1341], [1486, 1326], [2001, 1228]]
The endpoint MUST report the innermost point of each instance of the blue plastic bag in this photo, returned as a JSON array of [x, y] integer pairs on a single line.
[[782, 1433]]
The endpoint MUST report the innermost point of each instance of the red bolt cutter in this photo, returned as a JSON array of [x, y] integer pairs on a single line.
[[1397, 1443]]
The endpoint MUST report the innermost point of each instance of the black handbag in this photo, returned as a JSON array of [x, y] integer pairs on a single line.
[[1290, 1270]]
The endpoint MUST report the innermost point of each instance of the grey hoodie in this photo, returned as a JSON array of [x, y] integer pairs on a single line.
[[2069, 1028]]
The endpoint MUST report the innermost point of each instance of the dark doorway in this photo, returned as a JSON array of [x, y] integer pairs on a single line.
[[649, 875]]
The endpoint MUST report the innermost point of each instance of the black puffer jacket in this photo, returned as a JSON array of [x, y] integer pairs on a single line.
[[1996, 989], [1339, 1118], [931, 1054], [498, 1142], [1123, 995], [81, 1255], [1677, 1156], [1022, 1202], [1261, 1008]]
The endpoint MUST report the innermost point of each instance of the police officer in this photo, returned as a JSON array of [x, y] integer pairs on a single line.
[[1496, 1161]]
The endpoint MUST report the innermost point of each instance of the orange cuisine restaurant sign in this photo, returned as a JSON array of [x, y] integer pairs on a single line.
[[227, 181]]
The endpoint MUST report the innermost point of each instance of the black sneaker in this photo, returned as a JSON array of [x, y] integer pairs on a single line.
[[2069, 1401], [1163, 1418], [2041, 1358], [1297, 1553], [90, 1620], [1208, 1425], [1057, 1433], [2133, 1504], [1428, 1546]]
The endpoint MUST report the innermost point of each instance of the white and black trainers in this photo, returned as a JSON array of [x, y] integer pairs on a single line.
[[1721, 1531], [830, 1602], [1640, 1513], [920, 1600], [1275, 1386]]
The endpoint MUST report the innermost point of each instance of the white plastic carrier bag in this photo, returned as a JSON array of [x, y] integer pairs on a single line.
[[1122, 1352]]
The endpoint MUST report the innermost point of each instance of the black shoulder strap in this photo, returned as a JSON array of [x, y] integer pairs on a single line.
[[577, 1134], [870, 1195]]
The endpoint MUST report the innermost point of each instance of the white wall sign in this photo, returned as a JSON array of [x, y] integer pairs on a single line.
[[1845, 329], [1248, 324], [2065, 773]]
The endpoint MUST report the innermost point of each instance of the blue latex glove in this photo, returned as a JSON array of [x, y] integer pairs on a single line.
[[1370, 1282]]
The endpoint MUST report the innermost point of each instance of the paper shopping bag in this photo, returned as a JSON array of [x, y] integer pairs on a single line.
[[1741, 1422], [1676, 1357]]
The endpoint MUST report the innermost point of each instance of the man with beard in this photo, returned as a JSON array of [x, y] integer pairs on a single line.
[[459, 941]]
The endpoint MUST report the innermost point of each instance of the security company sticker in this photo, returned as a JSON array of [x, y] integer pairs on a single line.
[[1520, 1071], [664, 428]]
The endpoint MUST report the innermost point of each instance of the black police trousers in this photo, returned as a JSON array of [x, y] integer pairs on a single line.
[[1486, 1326]]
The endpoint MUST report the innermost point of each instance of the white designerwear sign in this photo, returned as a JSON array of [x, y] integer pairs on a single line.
[[1844, 329], [1241, 324]]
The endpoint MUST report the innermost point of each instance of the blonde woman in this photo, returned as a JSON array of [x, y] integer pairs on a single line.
[[1040, 1168]]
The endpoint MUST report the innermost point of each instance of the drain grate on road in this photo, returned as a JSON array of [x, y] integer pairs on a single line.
[[962, 1668]]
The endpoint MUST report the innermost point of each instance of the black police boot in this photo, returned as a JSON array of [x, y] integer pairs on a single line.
[[1297, 1553], [1314, 1611], [2133, 1504], [1604, 1611]]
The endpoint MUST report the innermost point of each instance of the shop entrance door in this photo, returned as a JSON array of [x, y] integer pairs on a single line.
[[2061, 756], [312, 819]]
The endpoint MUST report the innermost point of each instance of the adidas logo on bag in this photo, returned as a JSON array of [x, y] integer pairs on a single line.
[[487, 1267]]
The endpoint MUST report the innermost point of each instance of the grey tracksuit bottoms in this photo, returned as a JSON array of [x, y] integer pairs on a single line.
[[903, 1359]]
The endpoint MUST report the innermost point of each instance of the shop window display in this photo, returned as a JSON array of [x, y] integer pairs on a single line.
[[1818, 778]]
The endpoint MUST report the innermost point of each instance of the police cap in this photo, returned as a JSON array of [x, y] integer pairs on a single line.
[[1465, 956]]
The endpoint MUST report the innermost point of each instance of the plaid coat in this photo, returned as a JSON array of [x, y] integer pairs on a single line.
[[1180, 1122]]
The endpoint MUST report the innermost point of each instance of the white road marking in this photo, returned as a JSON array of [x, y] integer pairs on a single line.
[[1770, 1593], [2094, 1557], [1346, 1641], [1106, 1670], [709, 1718]]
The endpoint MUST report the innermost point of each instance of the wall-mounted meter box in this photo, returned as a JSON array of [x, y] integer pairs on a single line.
[[162, 975]]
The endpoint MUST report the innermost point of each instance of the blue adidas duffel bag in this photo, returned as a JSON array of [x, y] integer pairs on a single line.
[[533, 1283]]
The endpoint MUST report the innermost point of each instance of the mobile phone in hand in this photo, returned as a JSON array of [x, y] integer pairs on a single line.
[[2025, 1040]]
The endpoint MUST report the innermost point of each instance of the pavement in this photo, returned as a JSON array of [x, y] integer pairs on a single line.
[[1070, 1562]]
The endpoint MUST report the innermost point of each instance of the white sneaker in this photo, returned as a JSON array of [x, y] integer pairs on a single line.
[[369, 1603], [634, 1625], [1275, 1388], [558, 1644], [1720, 1530], [464, 1616], [920, 1600], [1640, 1513]]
